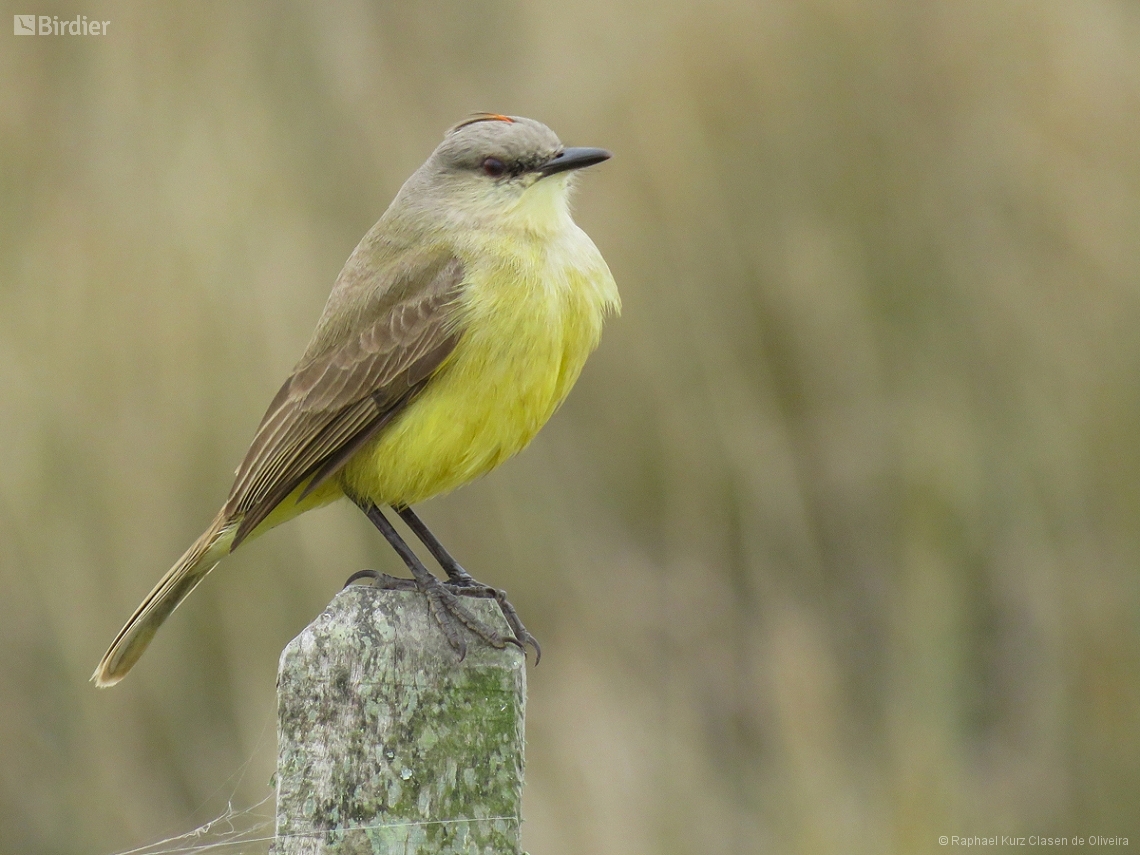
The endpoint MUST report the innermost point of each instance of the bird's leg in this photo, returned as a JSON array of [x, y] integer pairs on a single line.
[[456, 575], [462, 582], [445, 606]]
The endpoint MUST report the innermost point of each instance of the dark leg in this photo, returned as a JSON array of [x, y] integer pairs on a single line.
[[462, 582], [445, 606]]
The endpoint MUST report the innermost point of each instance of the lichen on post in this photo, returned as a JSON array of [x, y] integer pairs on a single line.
[[388, 743]]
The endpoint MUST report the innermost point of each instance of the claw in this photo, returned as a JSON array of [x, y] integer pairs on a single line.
[[443, 597], [448, 611], [533, 642], [361, 574], [461, 583], [521, 634], [520, 637], [382, 581]]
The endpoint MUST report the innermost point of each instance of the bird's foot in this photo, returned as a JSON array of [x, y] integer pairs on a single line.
[[459, 581], [464, 585], [451, 615]]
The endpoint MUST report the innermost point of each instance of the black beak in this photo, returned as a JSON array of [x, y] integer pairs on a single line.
[[573, 158]]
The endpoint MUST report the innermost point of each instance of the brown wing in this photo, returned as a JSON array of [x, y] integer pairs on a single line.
[[341, 397]]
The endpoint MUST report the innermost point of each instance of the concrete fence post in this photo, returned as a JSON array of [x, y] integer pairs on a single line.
[[387, 743]]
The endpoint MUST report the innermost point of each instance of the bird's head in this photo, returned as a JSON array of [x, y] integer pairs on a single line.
[[498, 171]]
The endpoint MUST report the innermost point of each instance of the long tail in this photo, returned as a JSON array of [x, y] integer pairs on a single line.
[[172, 589]]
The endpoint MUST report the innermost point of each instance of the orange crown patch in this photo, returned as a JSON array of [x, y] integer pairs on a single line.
[[481, 117]]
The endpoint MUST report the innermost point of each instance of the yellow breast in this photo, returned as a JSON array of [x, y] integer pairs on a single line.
[[532, 311]]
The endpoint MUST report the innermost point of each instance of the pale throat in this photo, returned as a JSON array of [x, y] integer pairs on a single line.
[[542, 209]]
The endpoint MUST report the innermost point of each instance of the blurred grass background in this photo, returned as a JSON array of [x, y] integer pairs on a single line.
[[834, 547]]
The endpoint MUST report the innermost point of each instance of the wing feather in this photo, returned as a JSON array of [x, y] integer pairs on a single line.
[[340, 397]]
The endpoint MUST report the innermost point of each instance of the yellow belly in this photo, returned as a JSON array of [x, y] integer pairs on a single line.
[[530, 320]]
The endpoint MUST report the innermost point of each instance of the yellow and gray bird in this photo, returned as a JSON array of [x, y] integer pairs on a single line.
[[454, 331]]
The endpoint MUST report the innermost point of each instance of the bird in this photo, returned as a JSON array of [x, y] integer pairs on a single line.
[[456, 328]]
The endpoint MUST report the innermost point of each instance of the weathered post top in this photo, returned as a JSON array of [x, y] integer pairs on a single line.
[[388, 743]]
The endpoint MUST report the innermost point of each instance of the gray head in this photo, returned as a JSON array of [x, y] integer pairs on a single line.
[[484, 171]]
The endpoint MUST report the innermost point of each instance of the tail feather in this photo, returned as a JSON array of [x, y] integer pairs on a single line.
[[178, 582]]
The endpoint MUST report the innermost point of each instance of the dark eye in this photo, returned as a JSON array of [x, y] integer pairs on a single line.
[[494, 167]]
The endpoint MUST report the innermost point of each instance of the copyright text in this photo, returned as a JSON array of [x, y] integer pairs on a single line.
[[1030, 840]]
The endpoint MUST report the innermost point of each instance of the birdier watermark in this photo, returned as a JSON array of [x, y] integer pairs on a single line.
[[51, 25]]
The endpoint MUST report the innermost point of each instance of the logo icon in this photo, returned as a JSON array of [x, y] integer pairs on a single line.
[[24, 25]]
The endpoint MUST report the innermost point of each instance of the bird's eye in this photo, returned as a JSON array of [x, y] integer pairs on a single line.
[[494, 167]]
